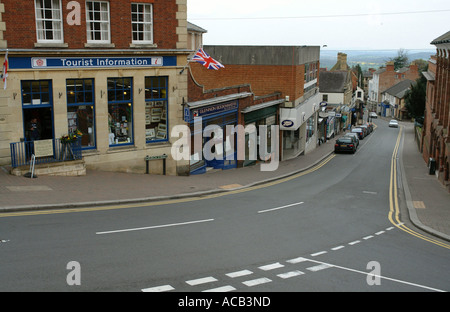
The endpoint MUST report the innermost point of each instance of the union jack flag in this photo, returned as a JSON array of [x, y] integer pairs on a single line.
[[203, 58]]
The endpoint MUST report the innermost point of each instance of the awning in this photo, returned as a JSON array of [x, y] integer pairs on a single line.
[[219, 99], [262, 106]]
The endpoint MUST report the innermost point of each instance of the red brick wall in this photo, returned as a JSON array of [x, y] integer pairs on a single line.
[[264, 79], [20, 22], [389, 77]]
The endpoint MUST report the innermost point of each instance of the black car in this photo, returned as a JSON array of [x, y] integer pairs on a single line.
[[345, 144]]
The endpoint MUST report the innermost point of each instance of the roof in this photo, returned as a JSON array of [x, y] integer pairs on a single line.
[[196, 28], [445, 38], [399, 90], [332, 82]]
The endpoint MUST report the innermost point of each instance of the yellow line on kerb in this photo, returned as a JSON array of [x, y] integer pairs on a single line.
[[169, 201], [394, 210]]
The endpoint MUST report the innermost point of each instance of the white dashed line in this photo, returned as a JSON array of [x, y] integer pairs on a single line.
[[221, 289], [158, 289], [282, 207], [290, 274], [319, 267], [239, 273], [297, 260], [268, 267], [318, 253], [257, 281], [271, 266], [200, 281]]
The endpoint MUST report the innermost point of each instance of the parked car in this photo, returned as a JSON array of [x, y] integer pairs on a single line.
[[345, 144], [365, 130], [373, 115], [354, 137], [393, 123], [359, 132]]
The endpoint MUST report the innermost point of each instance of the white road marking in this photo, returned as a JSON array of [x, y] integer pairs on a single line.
[[257, 281], [290, 274], [371, 193], [318, 253], [379, 233], [200, 281], [368, 237], [297, 260], [383, 277], [221, 289], [319, 267], [271, 266], [158, 289], [154, 227], [355, 242], [239, 273], [337, 248], [282, 207]]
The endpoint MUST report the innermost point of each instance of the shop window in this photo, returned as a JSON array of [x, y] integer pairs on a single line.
[[97, 22], [49, 21], [80, 110], [120, 111], [37, 92], [142, 22], [156, 109], [310, 128]]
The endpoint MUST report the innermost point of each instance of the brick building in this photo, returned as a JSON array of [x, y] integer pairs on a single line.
[[283, 79], [436, 138], [385, 78], [110, 69]]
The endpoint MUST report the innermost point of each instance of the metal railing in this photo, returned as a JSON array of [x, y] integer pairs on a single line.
[[22, 152]]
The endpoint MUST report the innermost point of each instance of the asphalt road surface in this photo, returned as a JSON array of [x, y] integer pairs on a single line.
[[333, 228]]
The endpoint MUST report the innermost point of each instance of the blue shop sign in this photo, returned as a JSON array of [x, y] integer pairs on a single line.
[[214, 109], [89, 62]]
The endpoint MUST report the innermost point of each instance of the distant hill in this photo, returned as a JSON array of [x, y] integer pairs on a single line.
[[369, 58]]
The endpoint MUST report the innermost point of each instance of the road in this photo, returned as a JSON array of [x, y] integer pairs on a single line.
[[338, 227]]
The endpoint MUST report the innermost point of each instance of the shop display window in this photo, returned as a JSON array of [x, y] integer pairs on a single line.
[[37, 92], [80, 110], [120, 111], [156, 108]]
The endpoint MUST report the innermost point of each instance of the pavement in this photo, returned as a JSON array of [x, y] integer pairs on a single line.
[[427, 199]]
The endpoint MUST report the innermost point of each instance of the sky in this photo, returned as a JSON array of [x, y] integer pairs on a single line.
[[338, 25]]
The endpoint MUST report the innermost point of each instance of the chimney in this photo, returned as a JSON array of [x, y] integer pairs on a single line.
[[390, 66], [413, 67]]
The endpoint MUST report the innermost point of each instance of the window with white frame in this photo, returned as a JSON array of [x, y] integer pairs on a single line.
[[142, 22], [97, 22], [49, 21]]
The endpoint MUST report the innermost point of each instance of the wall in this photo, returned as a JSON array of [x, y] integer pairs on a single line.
[[165, 12], [267, 69]]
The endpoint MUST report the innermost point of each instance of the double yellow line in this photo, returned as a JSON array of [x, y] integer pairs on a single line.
[[394, 210], [168, 201]]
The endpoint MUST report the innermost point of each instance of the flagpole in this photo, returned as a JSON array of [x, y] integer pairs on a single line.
[[5, 70]]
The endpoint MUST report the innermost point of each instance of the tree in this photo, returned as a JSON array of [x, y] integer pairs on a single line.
[[415, 98], [401, 60]]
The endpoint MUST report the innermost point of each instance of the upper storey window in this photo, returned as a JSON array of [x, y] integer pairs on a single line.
[[142, 23], [49, 21], [97, 20]]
